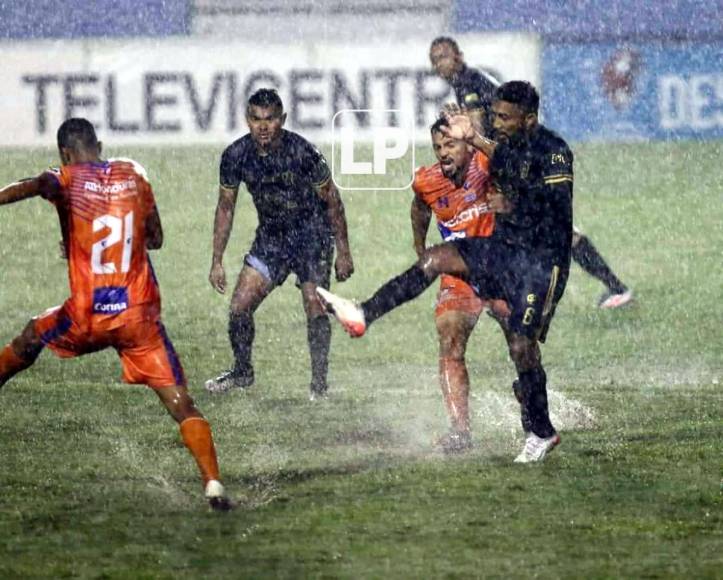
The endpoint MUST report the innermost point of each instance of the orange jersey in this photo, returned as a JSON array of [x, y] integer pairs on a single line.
[[103, 209], [461, 212]]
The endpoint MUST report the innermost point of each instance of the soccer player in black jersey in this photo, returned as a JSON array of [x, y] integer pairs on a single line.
[[525, 261], [473, 92], [300, 219]]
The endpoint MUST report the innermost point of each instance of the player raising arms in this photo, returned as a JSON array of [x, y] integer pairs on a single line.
[[525, 261], [301, 217], [455, 190], [474, 93], [109, 220]]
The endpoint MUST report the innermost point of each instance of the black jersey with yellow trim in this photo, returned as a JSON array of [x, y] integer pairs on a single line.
[[536, 174], [472, 89], [283, 183]]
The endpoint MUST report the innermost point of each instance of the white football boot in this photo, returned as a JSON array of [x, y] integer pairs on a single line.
[[349, 315], [536, 448], [216, 496]]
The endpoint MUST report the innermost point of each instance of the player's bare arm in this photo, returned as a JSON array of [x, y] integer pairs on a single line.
[[344, 264], [461, 126], [45, 183], [421, 215], [154, 230], [223, 222]]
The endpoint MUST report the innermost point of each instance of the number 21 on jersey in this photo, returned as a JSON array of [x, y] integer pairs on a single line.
[[121, 231]]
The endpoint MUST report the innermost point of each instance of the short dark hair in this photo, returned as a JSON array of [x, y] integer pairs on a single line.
[[438, 124], [77, 133], [520, 93], [266, 98], [448, 40]]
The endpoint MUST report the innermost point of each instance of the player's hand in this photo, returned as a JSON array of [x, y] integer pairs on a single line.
[[460, 125], [498, 203], [343, 267], [217, 277]]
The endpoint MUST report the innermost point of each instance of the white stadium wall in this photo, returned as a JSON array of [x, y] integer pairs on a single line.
[[192, 90]]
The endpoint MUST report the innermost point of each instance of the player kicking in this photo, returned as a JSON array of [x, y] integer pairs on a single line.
[[301, 218], [109, 220], [474, 92], [525, 261], [454, 190]]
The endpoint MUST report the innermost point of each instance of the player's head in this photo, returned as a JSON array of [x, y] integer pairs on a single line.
[[446, 57], [77, 141], [514, 110], [265, 116], [454, 155]]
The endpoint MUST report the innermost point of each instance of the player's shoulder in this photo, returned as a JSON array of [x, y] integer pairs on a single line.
[[238, 148], [297, 143], [129, 164], [427, 178], [548, 141]]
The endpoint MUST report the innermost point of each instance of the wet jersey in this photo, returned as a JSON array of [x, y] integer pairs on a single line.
[[472, 89], [102, 209], [283, 184], [460, 211], [536, 175]]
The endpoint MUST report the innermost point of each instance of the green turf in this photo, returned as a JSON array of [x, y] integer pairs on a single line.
[[95, 483]]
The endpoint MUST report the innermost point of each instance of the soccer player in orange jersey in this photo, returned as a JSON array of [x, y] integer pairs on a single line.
[[109, 220], [455, 190]]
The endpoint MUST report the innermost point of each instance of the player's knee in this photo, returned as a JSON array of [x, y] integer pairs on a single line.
[[28, 344], [523, 353], [452, 342]]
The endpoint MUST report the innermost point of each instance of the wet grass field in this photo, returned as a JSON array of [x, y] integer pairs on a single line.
[[95, 482]]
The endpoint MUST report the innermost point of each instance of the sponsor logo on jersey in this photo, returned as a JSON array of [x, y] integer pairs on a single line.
[[110, 300], [466, 216], [114, 190]]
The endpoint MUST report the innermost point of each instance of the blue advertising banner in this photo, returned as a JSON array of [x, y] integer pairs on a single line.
[[617, 92], [100, 18], [588, 20]]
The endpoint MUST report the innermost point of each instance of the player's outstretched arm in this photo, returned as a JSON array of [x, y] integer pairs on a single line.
[[222, 224], [45, 183], [421, 215], [344, 265]]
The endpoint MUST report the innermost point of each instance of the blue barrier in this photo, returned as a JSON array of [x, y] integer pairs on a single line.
[[100, 18], [626, 92], [585, 20]]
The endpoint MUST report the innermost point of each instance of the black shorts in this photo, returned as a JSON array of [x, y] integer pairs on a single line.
[[532, 286], [275, 258]]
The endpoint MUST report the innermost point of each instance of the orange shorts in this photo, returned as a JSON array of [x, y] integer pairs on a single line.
[[147, 354], [455, 295]]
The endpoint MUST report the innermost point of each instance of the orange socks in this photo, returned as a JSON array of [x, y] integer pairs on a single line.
[[454, 381], [10, 364], [196, 433]]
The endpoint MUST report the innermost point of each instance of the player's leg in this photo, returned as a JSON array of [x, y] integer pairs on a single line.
[[318, 333], [198, 439], [454, 328], [148, 357], [442, 259], [252, 287], [589, 259], [533, 289], [20, 353], [312, 266]]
